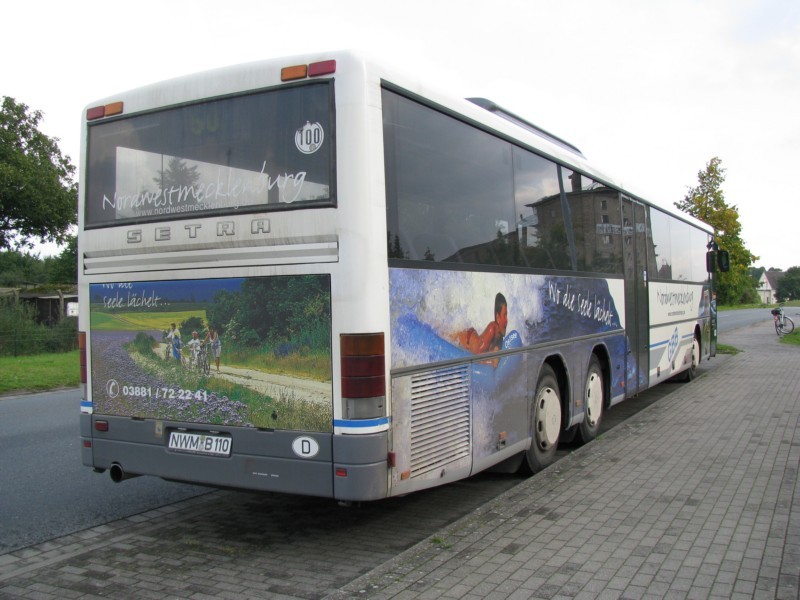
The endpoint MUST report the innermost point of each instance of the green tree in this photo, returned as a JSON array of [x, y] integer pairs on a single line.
[[38, 197], [193, 323], [64, 267], [291, 312], [707, 203], [17, 267], [789, 285]]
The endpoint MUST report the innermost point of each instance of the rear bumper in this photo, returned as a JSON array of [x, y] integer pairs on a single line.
[[343, 467]]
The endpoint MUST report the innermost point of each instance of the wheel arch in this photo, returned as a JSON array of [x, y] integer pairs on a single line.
[[604, 358], [559, 366]]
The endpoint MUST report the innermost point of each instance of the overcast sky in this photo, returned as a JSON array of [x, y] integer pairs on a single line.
[[649, 90]]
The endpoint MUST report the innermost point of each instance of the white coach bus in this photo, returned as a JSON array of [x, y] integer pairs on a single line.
[[317, 276]]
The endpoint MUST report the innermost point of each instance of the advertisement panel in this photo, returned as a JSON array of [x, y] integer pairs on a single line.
[[675, 309], [443, 315], [448, 320], [252, 352]]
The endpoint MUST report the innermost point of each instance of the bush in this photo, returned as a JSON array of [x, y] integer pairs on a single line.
[[20, 334], [144, 344]]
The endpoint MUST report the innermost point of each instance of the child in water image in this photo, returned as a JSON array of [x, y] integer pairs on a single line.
[[492, 337]]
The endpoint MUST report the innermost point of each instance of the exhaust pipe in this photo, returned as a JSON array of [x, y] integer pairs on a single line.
[[118, 473]]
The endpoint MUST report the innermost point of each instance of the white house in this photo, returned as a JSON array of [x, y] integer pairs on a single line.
[[768, 286]]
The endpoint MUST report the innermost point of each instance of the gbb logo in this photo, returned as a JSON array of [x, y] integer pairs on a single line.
[[673, 344], [305, 447]]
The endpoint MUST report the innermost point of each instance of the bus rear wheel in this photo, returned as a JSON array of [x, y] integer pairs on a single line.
[[545, 421], [593, 401]]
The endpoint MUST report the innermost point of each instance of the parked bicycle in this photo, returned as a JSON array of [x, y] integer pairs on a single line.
[[783, 324]]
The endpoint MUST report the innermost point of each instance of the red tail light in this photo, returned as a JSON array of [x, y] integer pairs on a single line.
[[363, 375], [325, 67], [363, 365]]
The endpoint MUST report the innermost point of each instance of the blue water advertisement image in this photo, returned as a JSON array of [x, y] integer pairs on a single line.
[[239, 351], [474, 330]]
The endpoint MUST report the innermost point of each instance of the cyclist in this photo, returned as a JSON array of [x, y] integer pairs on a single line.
[[169, 337], [212, 337], [194, 347], [176, 345]]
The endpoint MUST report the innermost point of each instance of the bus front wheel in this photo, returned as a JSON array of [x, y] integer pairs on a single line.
[[691, 372], [545, 421]]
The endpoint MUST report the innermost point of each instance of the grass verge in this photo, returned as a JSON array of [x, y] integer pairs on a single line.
[[726, 349], [722, 307], [39, 372], [793, 339]]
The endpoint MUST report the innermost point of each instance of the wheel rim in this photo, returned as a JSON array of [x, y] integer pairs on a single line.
[[695, 353], [548, 418], [594, 398]]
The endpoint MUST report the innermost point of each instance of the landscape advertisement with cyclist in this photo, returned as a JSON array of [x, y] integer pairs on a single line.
[[237, 351]]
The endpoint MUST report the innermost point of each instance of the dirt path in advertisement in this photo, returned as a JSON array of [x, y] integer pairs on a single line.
[[272, 384]]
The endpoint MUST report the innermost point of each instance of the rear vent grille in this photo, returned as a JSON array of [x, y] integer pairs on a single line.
[[440, 418]]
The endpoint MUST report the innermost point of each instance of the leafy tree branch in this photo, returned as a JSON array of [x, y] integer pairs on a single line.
[[38, 196], [706, 202]]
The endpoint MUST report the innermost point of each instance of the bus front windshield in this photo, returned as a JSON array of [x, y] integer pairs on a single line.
[[261, 151]]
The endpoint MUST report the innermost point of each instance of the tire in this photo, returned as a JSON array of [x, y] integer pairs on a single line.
[[593, 401], [206, 366], [545, 421], [788, 326], [691, 372], [778, 328]]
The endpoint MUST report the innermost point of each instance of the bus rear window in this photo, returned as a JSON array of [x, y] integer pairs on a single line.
[[264, 151]]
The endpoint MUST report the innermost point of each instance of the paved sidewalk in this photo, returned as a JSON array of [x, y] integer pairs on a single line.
[[695, 497]]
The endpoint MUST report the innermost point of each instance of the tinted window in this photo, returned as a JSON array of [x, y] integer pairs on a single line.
[[459, 194], [542, 234], [449, 187], [698, 249], [678, 250], [262, 151], [660, 263], [597, 225], [681, 237]]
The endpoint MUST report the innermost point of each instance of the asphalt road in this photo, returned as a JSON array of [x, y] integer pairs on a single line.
[[729, 320], [45, 490]]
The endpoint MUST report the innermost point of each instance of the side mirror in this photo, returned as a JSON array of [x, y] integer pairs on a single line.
[[711, 261], [723, 261]]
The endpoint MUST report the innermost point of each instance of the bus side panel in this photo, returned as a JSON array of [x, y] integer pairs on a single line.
[[675, 310], [470, 407], [431, 428]]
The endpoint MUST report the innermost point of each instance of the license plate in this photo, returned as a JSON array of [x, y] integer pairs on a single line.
[[199, 443]]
